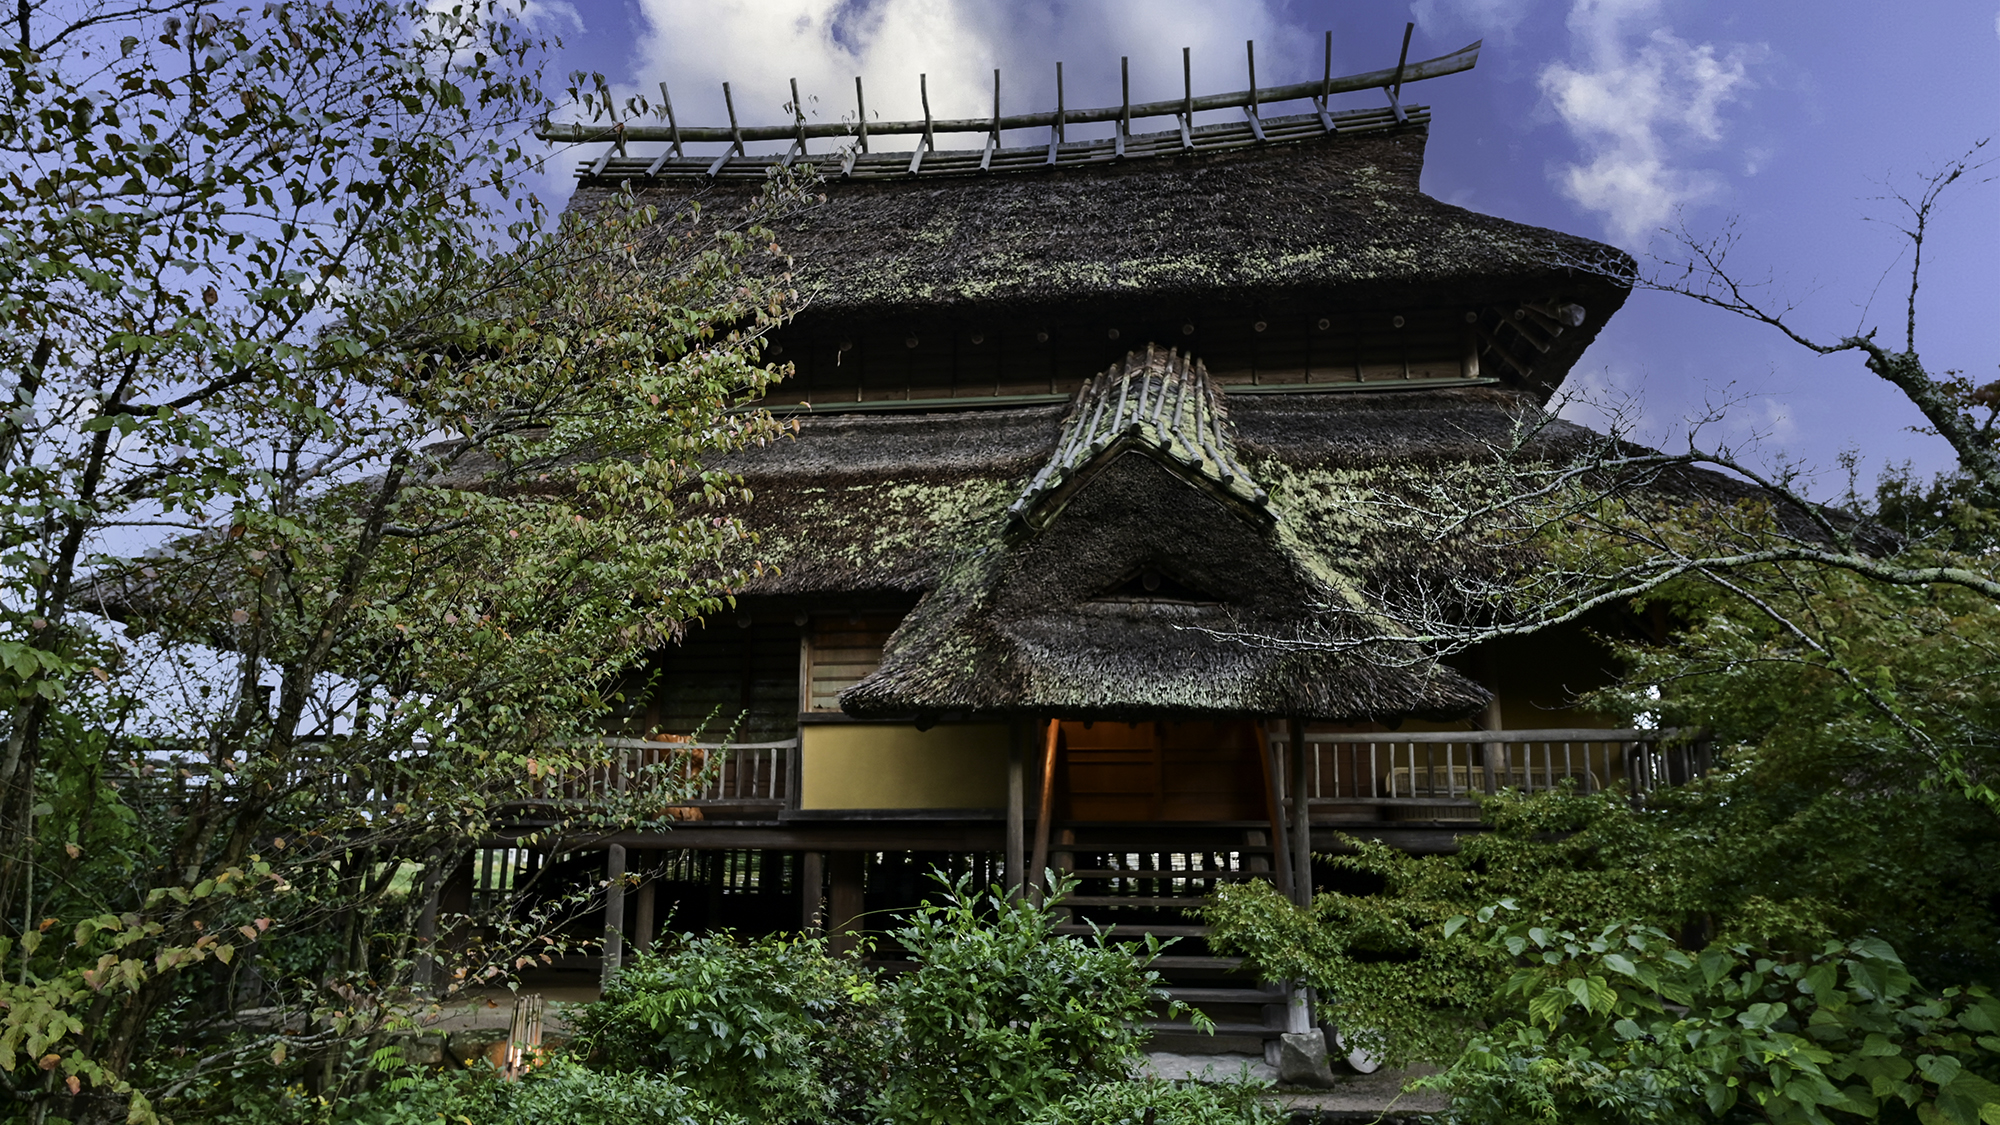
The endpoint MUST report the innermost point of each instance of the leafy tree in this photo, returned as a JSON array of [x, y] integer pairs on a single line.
[[1562, 526], [382, 470]]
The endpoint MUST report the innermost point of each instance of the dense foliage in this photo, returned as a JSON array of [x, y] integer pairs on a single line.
[[378, 468], [1000, 1020], [1768, 908], [1623, 1026], [1000, 1017], [1002, 1014], [775, 1029]]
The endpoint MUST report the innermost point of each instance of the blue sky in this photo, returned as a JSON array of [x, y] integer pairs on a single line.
[[1610, 118]]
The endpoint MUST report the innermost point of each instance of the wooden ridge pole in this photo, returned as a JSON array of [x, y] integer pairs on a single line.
[[1391, 79]]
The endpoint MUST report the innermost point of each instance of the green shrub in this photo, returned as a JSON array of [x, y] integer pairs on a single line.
[[1623, 1027], [1169, 1103], [772, 1029], [1003, 1016], [565, 1093]]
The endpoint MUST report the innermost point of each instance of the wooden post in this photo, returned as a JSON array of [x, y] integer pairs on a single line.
[[1063, 861], [643, 917], [614, 912], [1017, 812], [1493, 755], [812, 892], [861, 112], [844, 916], [1040, 862], [1298, 1008], [425, 971], [1281, 858], [1302, 888]]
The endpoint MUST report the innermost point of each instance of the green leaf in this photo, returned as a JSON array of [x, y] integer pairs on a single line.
[[1940, 1069]]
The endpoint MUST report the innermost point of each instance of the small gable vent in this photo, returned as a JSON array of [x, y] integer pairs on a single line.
[[1152, 585]]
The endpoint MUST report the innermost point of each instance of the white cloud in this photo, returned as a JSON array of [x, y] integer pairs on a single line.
[[1638, 111], [558, 17], [758, 45]]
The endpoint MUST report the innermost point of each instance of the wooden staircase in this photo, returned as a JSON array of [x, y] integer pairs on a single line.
[[1139, 879]]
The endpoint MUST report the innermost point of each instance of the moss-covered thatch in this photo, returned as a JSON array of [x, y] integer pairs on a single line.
[[1331, 222], [1059, 620]]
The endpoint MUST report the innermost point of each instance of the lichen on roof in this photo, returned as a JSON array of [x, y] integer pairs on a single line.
[[1148, 569]]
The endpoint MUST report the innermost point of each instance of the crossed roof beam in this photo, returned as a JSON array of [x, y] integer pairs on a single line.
[[858, 131]]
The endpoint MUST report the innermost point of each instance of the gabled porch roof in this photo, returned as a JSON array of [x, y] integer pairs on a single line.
[[1144, 572]]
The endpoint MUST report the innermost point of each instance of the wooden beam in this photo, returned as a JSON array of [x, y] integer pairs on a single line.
[[1302, 888], [822, 836], [673, 126], [860, 115], [1017, 801], [1040, 863], [1187, 101], [1250, 111], [1394, 87], [1281, 857], [1460, 60], [1125, 119], [1056, 123]]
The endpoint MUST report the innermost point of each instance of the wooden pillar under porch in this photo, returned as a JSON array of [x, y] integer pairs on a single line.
[[644, 919], [812, 893], [846, 871], [614, 913], [1046, 815], [1300, 793], [1017, 801], [1493, 755], [1274, 813]]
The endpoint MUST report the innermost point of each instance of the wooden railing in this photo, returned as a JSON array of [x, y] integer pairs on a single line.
[[727, 773], [1452, 767], [723, 774]]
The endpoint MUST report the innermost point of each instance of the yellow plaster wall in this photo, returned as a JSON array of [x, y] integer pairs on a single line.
[[897, 766]]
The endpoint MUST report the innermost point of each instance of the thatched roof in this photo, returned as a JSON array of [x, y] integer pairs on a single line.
[[865, 504], [1327, 223], [1156, 587]]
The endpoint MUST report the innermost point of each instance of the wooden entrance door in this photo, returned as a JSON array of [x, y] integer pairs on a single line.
[[1198, 770]]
